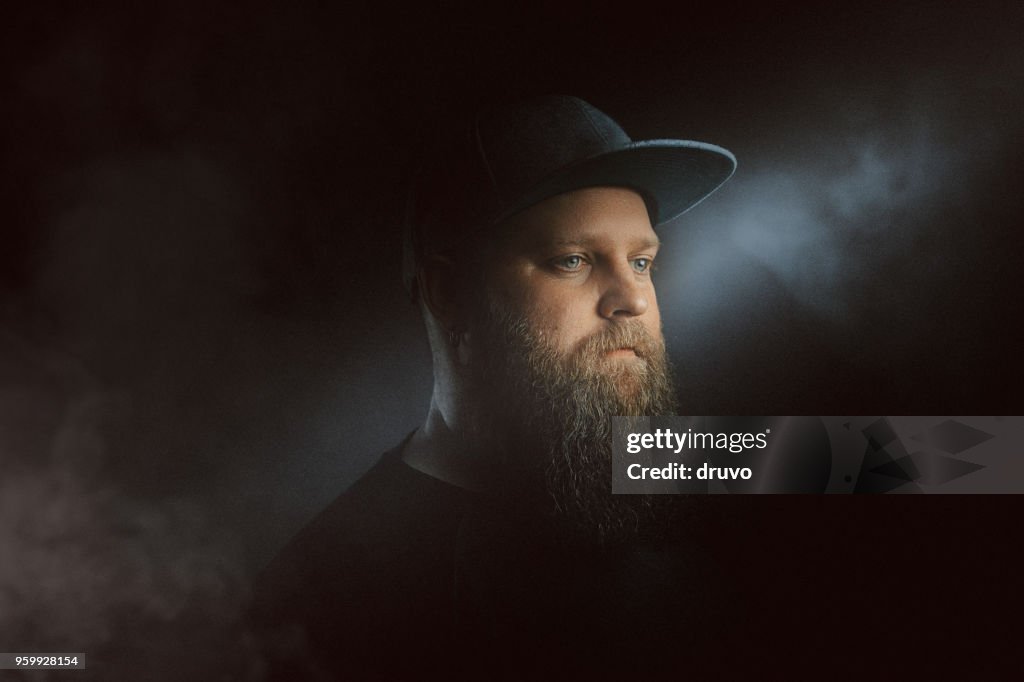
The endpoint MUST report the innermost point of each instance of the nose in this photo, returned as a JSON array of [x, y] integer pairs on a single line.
[[624, 295]]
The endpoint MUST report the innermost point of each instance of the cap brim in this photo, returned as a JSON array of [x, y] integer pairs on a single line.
[[672, 176]]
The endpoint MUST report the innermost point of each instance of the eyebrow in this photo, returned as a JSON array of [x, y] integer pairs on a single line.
[[586, 240]]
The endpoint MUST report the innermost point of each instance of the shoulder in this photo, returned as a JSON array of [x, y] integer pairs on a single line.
[[393, 511], [376, 562]]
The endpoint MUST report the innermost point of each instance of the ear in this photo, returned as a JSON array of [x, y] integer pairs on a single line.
[[440, 286]]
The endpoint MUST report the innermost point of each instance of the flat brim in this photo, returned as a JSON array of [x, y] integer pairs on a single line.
[[672, 176]]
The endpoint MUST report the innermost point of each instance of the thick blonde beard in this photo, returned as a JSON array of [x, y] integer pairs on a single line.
[[551, 412]]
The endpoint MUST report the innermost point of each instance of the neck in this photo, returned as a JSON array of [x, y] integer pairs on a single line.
[[443, 448]]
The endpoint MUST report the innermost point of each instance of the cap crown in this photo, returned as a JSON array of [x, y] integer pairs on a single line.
[[523, 144]]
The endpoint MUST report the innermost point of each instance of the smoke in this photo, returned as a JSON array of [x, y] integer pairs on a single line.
[[831, 222], [146, 589], [140, 278], [149, 412], [858, 219]]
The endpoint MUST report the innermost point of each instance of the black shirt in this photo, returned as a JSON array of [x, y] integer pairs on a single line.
[[406, 576]]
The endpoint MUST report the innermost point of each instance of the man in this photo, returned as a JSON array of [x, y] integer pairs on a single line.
[[488, 543]]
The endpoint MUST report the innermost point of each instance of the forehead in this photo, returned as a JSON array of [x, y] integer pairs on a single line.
[[600, 216]]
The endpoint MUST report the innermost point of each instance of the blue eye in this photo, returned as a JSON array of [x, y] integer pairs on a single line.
[[642, 264], [571, 263]]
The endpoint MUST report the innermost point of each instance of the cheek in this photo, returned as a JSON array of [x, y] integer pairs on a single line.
[[565, 322], [548, 312]]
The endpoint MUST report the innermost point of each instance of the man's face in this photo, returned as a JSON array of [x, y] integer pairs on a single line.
[[568, 335], [576, 265]]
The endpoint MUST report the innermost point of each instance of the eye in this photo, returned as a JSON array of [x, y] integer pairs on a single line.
[[643, 264], [571, 263]]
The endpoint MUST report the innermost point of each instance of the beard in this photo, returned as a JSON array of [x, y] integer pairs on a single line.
[[551, 413]]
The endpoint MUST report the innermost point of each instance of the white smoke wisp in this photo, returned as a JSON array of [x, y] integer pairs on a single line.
[[869, 193], [146, 589], [823, 227]]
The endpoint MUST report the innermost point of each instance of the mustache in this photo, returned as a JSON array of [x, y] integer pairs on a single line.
[[629, 334]]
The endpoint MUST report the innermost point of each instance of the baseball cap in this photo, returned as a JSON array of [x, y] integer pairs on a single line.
[[514, 156]]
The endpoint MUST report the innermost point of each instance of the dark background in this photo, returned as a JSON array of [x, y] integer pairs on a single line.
[[203, 334]]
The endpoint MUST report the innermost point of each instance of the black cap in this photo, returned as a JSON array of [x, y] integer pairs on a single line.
[[515, 156]]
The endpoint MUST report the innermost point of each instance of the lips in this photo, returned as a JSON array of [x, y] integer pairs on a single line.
[[622, 353]]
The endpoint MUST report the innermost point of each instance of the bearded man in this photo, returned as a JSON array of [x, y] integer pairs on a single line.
[[488, 543]]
